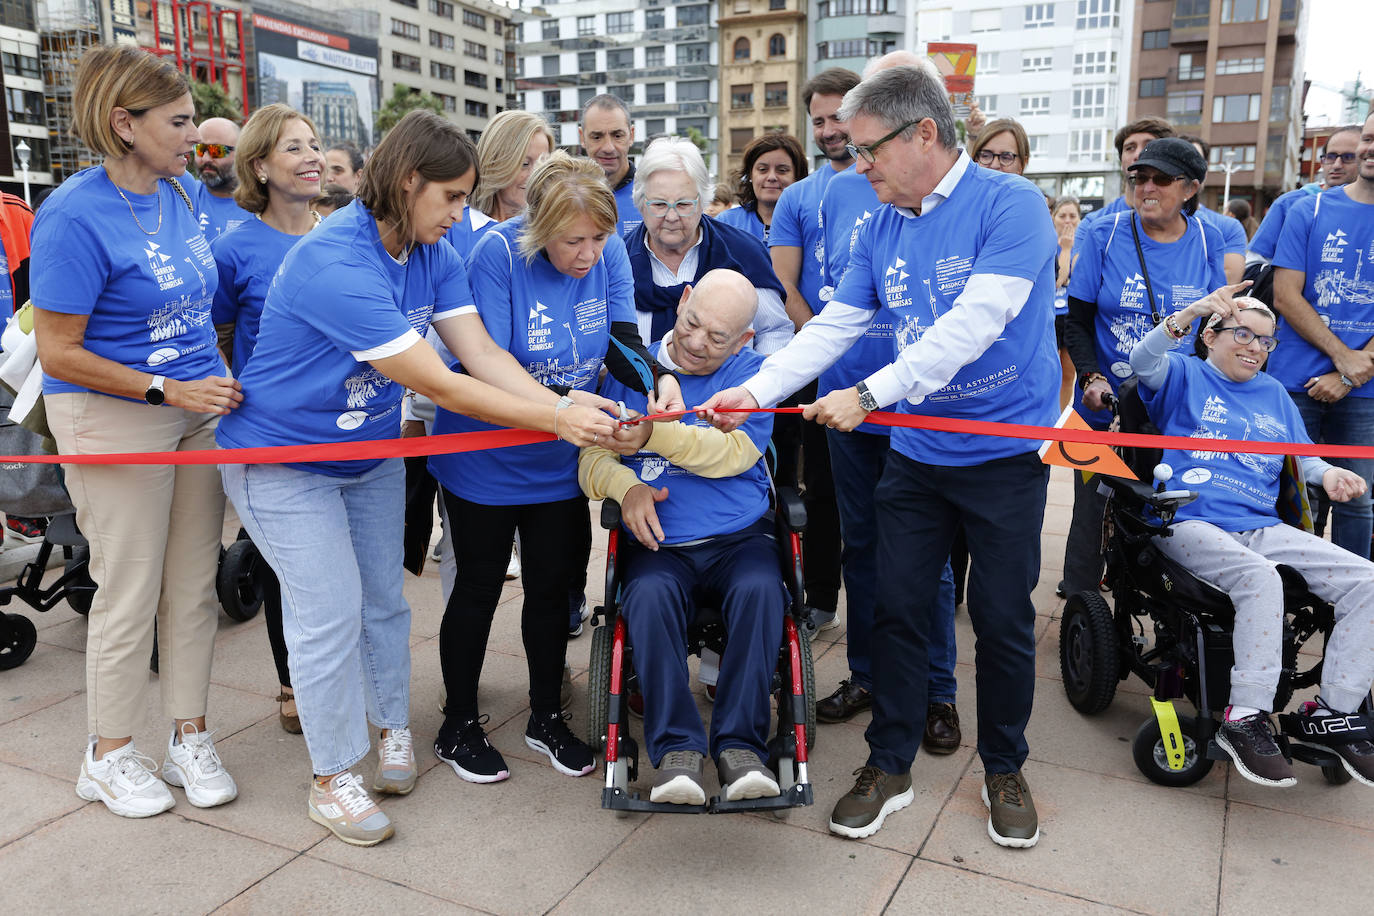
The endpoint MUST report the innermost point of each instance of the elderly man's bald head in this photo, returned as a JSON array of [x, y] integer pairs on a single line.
[[894, 59], [713, 321]]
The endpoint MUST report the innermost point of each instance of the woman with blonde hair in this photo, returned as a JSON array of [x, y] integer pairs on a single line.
[[122, 281], [507, 152], [340, 340], [553, 287]]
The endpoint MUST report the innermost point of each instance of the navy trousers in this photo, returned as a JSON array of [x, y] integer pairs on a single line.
[[1002, 506], [737, 573]]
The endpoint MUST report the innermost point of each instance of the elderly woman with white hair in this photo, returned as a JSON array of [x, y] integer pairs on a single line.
[[676, 246]]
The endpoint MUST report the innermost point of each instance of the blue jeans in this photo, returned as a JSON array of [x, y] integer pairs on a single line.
[[1349, 421], [335, 544], [857, 460]]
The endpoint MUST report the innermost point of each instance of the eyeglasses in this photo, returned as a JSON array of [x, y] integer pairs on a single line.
[[213, 150], [986, 156], [1158, 179], [1347, 158], [683, 208], [1244, 335], [870, 153]]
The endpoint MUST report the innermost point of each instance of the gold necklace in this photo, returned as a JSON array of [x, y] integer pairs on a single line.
[[135, 215]]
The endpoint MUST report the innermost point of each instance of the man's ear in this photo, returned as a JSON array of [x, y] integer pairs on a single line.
[[686, 294], [744, 339]]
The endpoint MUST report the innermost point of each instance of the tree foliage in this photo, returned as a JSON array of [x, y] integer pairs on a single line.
[[403, 100], [212, 101]]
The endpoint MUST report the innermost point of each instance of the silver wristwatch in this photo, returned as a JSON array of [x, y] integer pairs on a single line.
[[866, 399]]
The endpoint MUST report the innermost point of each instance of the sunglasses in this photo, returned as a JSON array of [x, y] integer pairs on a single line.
[[1158, 179], [1244, 335], [213, 150]]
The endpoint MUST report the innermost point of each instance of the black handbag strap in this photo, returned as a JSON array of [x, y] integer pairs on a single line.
[[1144, 271]]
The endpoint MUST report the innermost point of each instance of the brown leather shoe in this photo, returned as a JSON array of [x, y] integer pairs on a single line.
[[942, 729], [848, 700], [290, 722]]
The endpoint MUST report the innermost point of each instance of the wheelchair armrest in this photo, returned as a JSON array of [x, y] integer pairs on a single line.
[[1142, 494], [610, 514], [791, 509]]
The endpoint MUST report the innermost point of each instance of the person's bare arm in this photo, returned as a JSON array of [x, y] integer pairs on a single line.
[[1233, 265]]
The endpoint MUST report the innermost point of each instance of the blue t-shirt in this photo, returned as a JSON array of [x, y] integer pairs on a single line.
[[1232, 232], [1330, 238], [1266, 238], [219, 215], [916, 267], [558, 328], [700, 507], [247, 258], [338, 301], [1108, 274], [626, 212], [797, 224], [1236, 492], [746, 219], [465, 234], [148, 297], [847, 203]]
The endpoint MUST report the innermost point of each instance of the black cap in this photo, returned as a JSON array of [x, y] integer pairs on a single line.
[[1172, 156]]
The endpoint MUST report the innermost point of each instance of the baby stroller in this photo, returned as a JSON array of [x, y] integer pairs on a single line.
[[1174, 631]]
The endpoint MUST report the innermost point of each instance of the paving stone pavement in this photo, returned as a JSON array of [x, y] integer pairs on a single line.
[[1110, 840]]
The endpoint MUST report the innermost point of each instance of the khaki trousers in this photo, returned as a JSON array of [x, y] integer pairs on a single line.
[[154, 534]]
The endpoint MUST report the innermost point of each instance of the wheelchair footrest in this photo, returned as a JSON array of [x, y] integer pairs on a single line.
[[618, 799], [1313, 754]]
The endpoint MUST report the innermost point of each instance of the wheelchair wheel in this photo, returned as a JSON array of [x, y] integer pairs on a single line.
[[18, 636], [599, 687], [1150, 758], [238, 584], [80, 594], [1336, 774], [1089, 659]]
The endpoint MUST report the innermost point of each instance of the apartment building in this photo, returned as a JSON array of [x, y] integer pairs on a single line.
[[22, 118], [847, 33], [763, 68]]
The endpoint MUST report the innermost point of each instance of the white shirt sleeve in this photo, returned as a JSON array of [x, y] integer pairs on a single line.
[[815, 348], [772, 328], [982, 312]]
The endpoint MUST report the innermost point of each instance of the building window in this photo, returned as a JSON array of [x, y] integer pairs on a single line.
[[1192, 14], [620, 59], [1039, 15], [445, 72], [742, 95], [1091, 102], [1192, 67], [1088, 145], [653, 19], [626, 93], [475, 80], [777, 4], [1184, 107], [585, 95], [1244, 10], [474, 19], [1278, 104], [693, 15], [616, 23], [655, 127], [988, 104], [988, 61], [1154, 39], [498, 57], [740, 137], [694, 91], [548, 64], [1098, 14], [1152, 88], [475, 109], [1032, 105], [853, 47], [413, 4], [695, 53], [741, 48], [586, 61], [442, 9], [1039, 144], [1087, 62], [586, 25], [20, 63], [1236, 108], [655, 93], [403, 29], [1240, 65], [1037, 61], [829, 8], [985, 21], [441, 40], [499, 27], [777, 46], [407, 62], [447, 102], [473, 49], [1245, 155], [774, 95], [550, 29], [553, 100], [654, 56]]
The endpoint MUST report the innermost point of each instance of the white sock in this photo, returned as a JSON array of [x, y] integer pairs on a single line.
[[1321, 709], [1234, 713]]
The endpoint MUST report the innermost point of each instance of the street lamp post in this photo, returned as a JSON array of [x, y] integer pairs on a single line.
[[1228, 162], [22, 151]]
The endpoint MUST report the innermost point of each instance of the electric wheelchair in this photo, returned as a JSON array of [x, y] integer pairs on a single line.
[[612, 679], [1174, 631]]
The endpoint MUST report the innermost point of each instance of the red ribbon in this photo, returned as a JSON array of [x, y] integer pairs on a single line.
[[454, 443]]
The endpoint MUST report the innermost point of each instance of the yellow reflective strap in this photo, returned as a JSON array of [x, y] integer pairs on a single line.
[[1170, 732]]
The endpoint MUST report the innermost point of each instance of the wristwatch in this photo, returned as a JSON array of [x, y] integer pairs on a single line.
[[866, 399], [155, 395]]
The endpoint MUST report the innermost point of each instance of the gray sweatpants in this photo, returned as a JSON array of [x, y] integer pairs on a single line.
[[1241, 564]]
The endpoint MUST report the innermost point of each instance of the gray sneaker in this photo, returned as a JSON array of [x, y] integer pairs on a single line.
[[1012, 820], [679, 779], [743, 775], [875, 795], [348, 811], [396, 769], [1250, 744]]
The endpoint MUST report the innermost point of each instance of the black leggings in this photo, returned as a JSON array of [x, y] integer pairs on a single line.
[[554, 551]]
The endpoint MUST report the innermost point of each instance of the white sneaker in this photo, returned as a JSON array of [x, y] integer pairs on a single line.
[[396, 769], [124, 780], [194, 765], [513, 567]]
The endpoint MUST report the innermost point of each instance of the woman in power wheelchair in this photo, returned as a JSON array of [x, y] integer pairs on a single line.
[[1178, 556]]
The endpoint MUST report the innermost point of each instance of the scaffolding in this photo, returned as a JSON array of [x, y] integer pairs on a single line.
[[61, 48]]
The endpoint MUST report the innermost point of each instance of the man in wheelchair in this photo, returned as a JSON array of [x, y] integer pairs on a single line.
[[1231, 535], [695, 502]]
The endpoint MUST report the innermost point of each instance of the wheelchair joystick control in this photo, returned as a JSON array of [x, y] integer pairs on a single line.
[[1163, 473]]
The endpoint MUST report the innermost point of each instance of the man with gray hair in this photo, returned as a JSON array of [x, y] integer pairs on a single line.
[[962, 260], [606, 133]]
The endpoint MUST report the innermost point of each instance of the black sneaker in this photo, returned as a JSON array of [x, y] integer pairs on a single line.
[[1250, 744], [463, 745], [1356, 756], [548, 733]]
